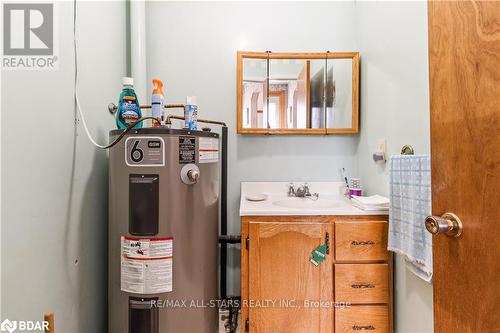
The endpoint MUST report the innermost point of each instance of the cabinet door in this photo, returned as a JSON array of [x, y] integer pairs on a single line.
[[287, 293]]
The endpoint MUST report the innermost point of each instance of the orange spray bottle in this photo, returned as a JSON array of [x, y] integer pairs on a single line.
[[157, 100]]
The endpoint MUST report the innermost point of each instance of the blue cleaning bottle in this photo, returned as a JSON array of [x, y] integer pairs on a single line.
[[129, 110], [191, 113]]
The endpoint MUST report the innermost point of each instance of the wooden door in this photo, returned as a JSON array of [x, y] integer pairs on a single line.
[[280, 270], [280, 112], [464, 59]]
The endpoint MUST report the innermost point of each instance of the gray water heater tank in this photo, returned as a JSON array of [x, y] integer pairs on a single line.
[[163, 229]]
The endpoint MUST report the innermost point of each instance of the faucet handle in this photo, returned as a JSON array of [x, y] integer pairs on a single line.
[[306, 188]]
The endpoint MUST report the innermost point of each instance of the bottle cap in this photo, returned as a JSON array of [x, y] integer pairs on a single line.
[[191, 100], [128, 81], [158, 89]]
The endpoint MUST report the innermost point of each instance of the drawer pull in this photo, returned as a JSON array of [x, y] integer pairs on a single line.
[[362, 286], [363, 328], [360, 243], [327, 242]]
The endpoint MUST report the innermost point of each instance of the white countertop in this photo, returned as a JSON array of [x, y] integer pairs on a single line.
[[330, 196]]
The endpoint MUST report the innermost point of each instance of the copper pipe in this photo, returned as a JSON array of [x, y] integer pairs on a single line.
[[168, 121], [172, 106], [166, 106], [112, 107]]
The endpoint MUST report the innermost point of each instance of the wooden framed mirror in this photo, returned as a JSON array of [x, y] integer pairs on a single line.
[[297, 93]]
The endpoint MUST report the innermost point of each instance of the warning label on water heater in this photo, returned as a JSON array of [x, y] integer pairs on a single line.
[[208, 150], [187, 149], [146, 265]]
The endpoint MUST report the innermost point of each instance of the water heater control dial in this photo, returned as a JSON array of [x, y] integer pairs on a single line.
[[190, 174], [193, 175]]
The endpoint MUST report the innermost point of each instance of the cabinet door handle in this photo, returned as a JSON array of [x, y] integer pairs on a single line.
[[361, 243], [362, 286], [363, 328]]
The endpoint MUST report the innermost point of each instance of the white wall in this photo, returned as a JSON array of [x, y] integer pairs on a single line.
[[392, 37], [54, 184], [192, 47]]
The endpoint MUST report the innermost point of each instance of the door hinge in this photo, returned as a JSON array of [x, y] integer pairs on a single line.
[[247, 325], [247, 243]]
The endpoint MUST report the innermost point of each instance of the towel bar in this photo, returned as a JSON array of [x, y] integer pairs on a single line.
[[407, 150]]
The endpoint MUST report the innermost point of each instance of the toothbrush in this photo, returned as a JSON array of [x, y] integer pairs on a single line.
[[347, 191], [342, 171]]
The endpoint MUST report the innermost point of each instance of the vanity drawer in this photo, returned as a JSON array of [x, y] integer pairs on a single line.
[[361, 240], [362, 283], [362, 318]]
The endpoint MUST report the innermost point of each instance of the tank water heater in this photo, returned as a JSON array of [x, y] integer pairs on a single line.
[[163, 231]]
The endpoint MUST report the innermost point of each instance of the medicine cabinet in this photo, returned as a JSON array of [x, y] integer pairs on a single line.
[[297, 93]]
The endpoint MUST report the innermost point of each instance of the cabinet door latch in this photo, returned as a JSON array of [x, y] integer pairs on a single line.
[[247, 325], [247, 242]]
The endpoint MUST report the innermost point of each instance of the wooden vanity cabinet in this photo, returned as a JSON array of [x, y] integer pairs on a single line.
[[283, 292]]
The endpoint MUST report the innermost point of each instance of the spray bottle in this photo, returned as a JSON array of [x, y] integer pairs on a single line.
[[157, 100], [191, 113]]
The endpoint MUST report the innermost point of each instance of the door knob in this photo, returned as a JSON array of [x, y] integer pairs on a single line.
[[448, 224]]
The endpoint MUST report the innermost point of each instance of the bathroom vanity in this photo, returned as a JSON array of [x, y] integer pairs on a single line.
[[282, 290]]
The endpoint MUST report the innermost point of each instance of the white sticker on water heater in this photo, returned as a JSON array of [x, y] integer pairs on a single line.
[[146, 265], [145, 151], [208, 150]]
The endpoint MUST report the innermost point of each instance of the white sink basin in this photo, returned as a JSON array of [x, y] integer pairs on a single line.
[[306, 203]]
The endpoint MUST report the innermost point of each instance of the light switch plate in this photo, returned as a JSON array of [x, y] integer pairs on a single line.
[[381, 146], [379, 156]]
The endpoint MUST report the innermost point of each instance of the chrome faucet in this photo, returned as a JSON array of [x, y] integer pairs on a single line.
[[301, 191]]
